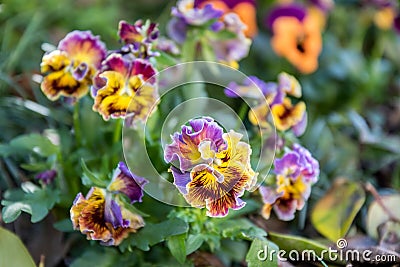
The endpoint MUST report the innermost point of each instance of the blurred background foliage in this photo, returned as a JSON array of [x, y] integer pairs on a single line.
[[353, 99]]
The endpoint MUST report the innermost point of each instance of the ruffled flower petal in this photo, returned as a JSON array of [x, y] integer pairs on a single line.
[[185, 144], [192, 15], [309, 165], [83, 46], [69, 69], [133, 93], [138, 32], [218, 181], [295, 173], [102, 218], [124, 181], [286, 116]]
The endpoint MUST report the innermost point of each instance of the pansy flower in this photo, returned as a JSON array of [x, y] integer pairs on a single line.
[[273, 102], [125, 87], [230, 51], [102, 215], [69, 69], [186, 14], [245, 9], [213, 168], [123, 181], [297, 35], [295, 173], [138, 37], [102, 218], [47, 176]]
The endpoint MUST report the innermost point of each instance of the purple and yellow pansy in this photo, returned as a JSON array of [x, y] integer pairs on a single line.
[[138, 38], [275, 104], [102, 215], [296, 171], [125, 87], [213, 168], [69, 69]]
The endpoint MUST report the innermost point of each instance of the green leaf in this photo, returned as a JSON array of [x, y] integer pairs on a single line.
[[295, 243], [240, 228], [98, 258], [193, 243], [13, 253], [177, 246], [261, 254], [35, 167], [89, 179], [377, 216], [333, 215], [152, 234], [36, 143], [165, 60], [35, 201]]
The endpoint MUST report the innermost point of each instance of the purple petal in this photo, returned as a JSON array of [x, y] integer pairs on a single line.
[[309, 166], [79, 73], [291, 10], [84, 46], [217, 26], [185, 144], [287, 165], [269, 195], [47, 176], [128, 183], [145, 69], [229, 3], [176, 29], [181, 179], [396, 23], [301, 126], [112, 213]]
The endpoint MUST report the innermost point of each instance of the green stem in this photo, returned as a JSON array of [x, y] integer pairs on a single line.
[[77, 125], [117, 139], [243, 111], [117, 131]]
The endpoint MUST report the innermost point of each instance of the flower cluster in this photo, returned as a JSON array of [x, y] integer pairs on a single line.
[[295, 173], [213, 168], [275, 106], [122, 82], [103, 215], [297, 34]]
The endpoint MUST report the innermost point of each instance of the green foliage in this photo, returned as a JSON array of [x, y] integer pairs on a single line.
[[155, 233], [31, 199], [35, 143], [177, 246], [261, 254], [13, 253]]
